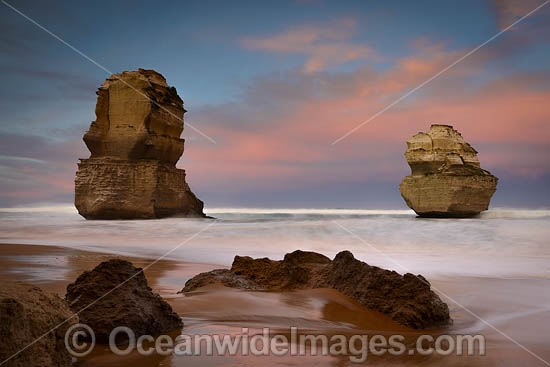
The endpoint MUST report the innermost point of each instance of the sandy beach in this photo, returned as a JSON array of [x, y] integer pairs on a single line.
[[320, 311]]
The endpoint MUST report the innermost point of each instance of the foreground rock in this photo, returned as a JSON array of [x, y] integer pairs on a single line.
[[406, 299], [26, 313], [118, 295], [446, 178], [135, 144]]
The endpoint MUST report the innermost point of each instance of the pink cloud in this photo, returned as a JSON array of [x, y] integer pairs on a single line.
[[325, 46], [508, 11]]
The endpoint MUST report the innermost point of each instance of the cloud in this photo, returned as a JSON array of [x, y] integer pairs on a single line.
[[324, 46], [508, 11], [34, 168], [70, 86]]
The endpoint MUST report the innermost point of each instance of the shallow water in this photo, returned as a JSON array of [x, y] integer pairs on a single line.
[[499, 243]]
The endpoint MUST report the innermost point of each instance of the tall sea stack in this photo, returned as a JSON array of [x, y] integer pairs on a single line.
[[446, 178], [135, 144]]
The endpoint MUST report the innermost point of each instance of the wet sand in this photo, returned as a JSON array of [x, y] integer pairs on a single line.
[[504, 303], [53, 268]]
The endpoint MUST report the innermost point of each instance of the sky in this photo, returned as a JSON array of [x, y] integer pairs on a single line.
[[274, 84]]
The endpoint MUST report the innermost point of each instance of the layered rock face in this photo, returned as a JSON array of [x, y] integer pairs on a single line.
[[26, 313], [406, 299], [135, 144], [446, 178], [115, 293]]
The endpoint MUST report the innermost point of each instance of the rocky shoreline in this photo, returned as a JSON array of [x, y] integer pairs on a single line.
[[215, 309], [113, 294], [116, 293]]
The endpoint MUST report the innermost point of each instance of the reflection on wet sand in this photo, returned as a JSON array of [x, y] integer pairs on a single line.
[[518, 307], [53, 268]]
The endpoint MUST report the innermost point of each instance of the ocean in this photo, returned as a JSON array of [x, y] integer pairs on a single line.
[[502, 243]]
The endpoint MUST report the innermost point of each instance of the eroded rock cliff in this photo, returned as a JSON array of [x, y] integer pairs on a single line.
[[446, 178], [135, 144]]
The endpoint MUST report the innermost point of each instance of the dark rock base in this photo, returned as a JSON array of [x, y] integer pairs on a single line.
[[108, 188], [448, 196]]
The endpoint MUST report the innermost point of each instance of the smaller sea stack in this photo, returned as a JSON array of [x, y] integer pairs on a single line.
[[446, 179]]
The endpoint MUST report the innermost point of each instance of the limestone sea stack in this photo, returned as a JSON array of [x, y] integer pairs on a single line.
[[446, 178], [135, 144]]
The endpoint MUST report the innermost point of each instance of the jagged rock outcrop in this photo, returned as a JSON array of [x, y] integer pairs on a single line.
[[135, 144], [26, 314], [446, 178], [115, 293], [406, 299]]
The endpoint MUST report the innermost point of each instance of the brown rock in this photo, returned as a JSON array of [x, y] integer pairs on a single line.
[[406, 299], [115, 293], [135, 144], [446, 178], [26, 314], [221, 276]]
